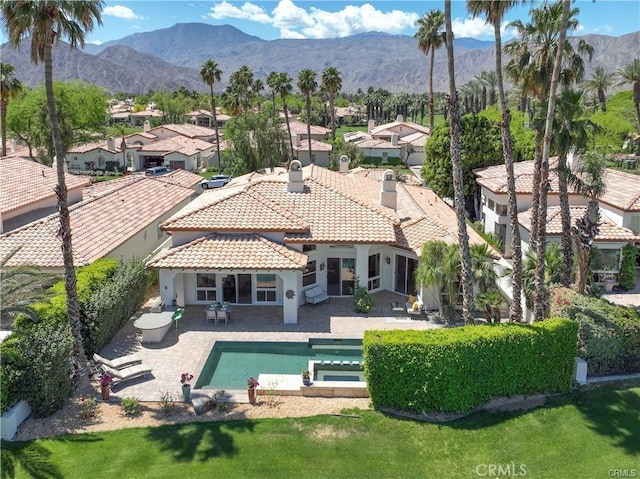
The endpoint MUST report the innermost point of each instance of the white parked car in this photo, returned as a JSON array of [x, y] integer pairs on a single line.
[[216, 181]]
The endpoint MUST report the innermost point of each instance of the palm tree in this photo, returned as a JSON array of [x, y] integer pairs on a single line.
[[439, 268], [257, 88], [21, 287], [588, 180], [9, 88], [239, 94], [46, 22], [495, 11], [211, 73], [489, 80], [284, 88], [571, 132], [272, 82], [431, 37], [599, 82], [553, 261], [630, 73], [458, 187], [307, 85], [332, 83]]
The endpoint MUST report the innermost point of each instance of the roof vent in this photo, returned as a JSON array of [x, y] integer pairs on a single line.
[[296, 182], [388, 193], [394, 139], [147, 125], [111, 143], [344, 164], [399, 118]]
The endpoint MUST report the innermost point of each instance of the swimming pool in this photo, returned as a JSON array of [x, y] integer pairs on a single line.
[[231, 363]]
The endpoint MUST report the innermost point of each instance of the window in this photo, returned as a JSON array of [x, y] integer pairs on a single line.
[[308, 247], [501, 210], [490, 204], [206, 287], [266, 287], [309, 276], [374, 272]]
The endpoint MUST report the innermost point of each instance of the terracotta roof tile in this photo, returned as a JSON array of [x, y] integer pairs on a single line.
[[231, 251], [180, 144], [609, 231], [315, 146], [24, 182], [99, 225]]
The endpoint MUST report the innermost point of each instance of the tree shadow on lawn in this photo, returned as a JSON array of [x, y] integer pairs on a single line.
[[199, 441], [33, 458]]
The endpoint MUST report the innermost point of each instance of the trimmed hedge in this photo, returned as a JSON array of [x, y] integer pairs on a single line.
[[608, 334], [456, 370]]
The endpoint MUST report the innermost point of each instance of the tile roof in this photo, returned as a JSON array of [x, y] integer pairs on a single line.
[[609, 231], [300, 128], [333, 208], [186, 130], [386, 129], [376, 174], [99, 225], [96, 145], [181, 178], [315, 146], [24, 182], [375, 143], [623, 189], [180, 144], [231, 251]]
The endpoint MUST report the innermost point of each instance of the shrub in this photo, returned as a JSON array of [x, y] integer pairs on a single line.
[[609, 334], [167, 402], [628, 266], [455, 370], [12, 366], [362, 299], [130, 406], [46, 379], [88, 407]]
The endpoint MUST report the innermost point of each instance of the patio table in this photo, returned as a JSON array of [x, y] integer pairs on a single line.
[[154, 326]]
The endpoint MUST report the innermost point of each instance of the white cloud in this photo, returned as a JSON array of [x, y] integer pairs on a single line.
[[289, 34], [297, 22], [248, 11], [478, 28], [96, 42], [120, 12]]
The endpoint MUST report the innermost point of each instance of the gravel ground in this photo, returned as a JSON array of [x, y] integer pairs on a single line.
[[109, 415]]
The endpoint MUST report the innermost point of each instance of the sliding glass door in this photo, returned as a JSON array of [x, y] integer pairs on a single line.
[[340, 276]]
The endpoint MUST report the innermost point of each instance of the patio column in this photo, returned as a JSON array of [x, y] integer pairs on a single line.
[[289, 301], [362, 263]]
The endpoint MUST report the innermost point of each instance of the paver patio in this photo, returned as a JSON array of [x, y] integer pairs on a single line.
[[186, 349]]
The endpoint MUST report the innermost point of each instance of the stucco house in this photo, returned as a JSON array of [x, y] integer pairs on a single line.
[[117, 219], [619, 207], [203, 117], [299, 129], [320, 152], [265, 239], [27, 191], [408, 133]]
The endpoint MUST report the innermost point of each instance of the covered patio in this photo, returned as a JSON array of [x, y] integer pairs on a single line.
[[186, 348]]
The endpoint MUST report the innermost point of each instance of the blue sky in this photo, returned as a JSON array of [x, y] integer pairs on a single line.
[[327, 19]]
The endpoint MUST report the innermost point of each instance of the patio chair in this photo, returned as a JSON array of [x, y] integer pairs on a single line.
[[222, 315], [118, 363], [120, 375]]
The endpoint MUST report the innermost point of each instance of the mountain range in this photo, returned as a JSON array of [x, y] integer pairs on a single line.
[[170, 58]]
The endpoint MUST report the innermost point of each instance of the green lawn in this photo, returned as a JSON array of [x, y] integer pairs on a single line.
[[583, 435]]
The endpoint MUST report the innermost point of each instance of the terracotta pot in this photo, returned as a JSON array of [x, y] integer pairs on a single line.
[[252, 395], [105, 392]]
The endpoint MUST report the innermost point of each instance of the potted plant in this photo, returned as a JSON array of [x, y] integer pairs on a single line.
[[105, 382], [609, 280], [306, 378], [252, 384], [186, 386]]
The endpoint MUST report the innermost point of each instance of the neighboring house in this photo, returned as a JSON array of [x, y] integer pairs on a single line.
[[119, 219], [27, 191], [620, 203], [402, 140], [138, 119], [378, 173], [609, 241], [299, 129], [320, 152], [101, 155], [187, 147], [203, 117], [265, 239]]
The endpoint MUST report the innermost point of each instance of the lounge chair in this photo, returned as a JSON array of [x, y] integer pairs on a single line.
[[118, 363], [120, 375]]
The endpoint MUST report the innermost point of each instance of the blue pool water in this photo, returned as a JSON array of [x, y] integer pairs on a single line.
[[231, 363]]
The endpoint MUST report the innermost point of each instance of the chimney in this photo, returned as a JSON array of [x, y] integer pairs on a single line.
[[111, 143], [147, 125], [344, 164], [296, 183], [371, 124], [399, 118], [296, 141], [388, 193], [394, 139]]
